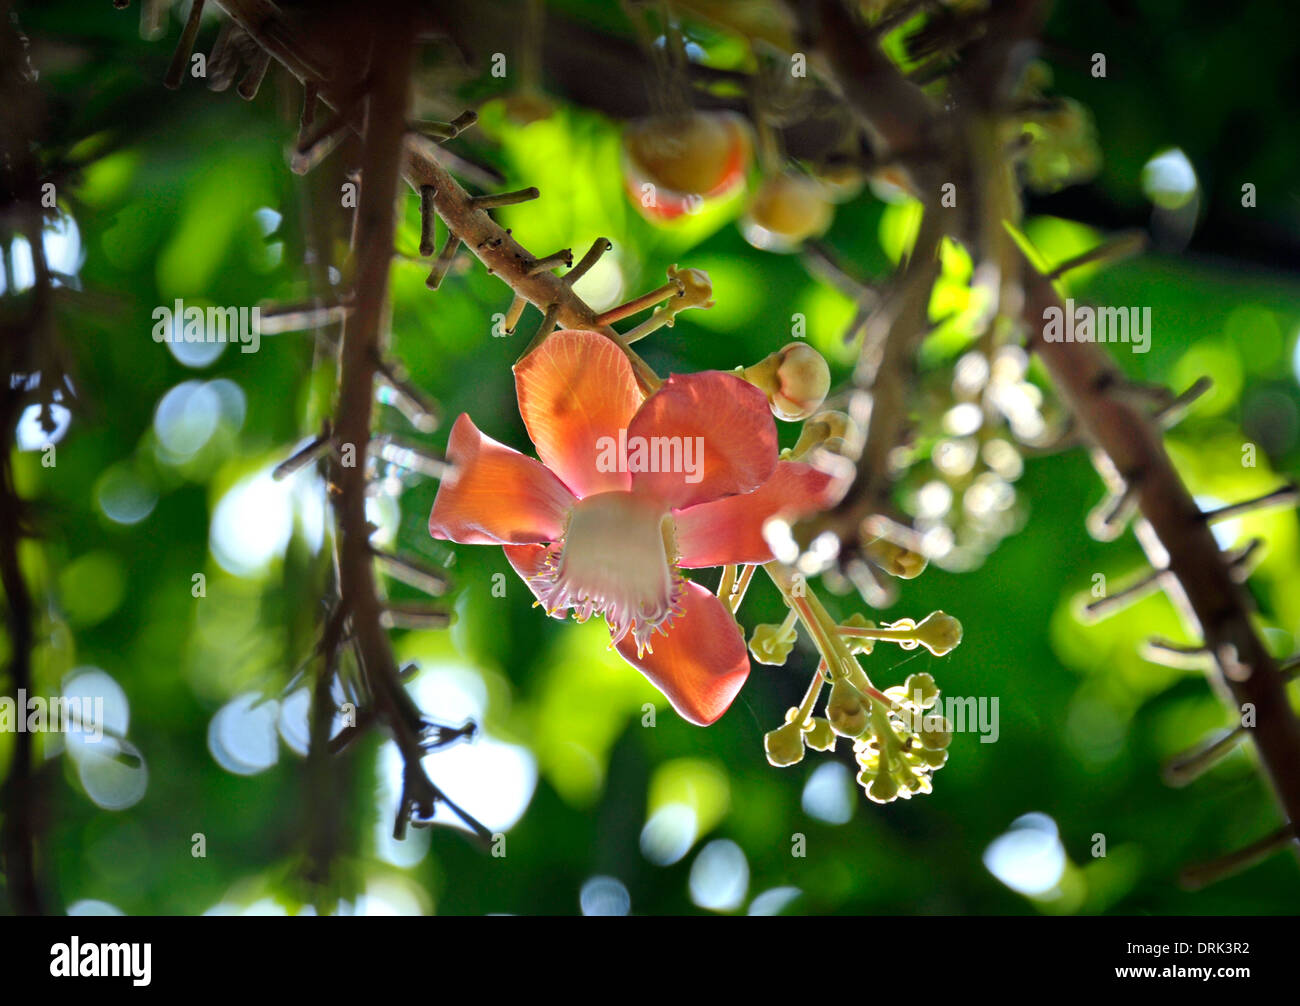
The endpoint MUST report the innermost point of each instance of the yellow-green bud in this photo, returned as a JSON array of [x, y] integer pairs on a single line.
[[921, 684], [819, 736], [896, 560], [771, 643], [697, 288], [883, 788], [830, 430], [934, 759], [858, 644], [784, 745], [939, 633], [845, 710], [935, 732]]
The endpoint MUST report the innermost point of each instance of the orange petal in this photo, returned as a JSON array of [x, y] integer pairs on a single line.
[[495, 495], [529, 561], [701, 663], [575, 389], [731, 530], [720, 439]]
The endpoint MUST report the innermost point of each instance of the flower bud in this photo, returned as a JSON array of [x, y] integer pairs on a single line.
[[922, 685], [939, 633], [883, 788], [697, 288], [859, 644], [771, 644], [831, 431], [785, 211], [796, 380], [932, 759], [896, 560], [672, 163], [784, 745], [804, 379], [935, 733], [819, 736], [845, 710]]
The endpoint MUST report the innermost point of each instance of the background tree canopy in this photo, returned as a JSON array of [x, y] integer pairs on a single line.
[[165, 452]]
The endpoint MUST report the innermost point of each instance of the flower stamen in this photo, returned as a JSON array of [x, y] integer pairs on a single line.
[[616, 560]]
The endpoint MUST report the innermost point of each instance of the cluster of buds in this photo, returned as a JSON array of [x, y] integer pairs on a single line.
[[785, 745], [961, 484], [899, 738], [908, 741], [681, 164]]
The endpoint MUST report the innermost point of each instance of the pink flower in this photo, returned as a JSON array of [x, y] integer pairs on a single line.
[[587, 536]]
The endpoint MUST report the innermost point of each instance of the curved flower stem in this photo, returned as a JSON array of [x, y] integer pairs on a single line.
[[788, 624], [810, 696], [840, 663], [735, 581]]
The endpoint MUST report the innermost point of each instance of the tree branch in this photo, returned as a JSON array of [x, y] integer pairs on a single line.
[[503, 255], [1173, 531], [483, 236], [359, 355], [1176, 536]]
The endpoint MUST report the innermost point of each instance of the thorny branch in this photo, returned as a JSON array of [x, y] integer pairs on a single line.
[[469, 224], [932, 144], [1173, 531], [359, 356], [1175, 535]]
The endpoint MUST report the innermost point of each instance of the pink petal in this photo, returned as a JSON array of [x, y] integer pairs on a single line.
[[736, 446], [701, 663], [495, 495], [731, 530], [529, 561], [575, 389]]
